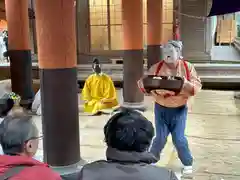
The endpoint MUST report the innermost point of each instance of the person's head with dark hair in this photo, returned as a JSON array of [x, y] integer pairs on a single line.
[[5, 32], [96, 66], [19, 135], [6, 104], [128, 130], [96, 61]]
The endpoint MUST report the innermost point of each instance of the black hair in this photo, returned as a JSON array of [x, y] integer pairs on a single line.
[[96, 61], [128, 130], [6, 104], [15, 131], [96, 66], [5, 31]]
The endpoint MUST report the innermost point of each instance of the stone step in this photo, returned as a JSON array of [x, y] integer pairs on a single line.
[[218, 79], [202, 69], [207, 72]]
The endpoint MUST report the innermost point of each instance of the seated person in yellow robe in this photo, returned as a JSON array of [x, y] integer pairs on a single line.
[[98, 92]]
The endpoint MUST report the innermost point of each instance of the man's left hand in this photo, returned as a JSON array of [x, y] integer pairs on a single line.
[[185, 80], [187, 86], [186, 83]]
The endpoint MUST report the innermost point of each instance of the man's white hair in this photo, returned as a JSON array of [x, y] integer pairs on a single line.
[[176, 44]]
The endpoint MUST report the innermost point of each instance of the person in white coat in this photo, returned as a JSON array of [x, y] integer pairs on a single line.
[[2, 48], [36, 105]]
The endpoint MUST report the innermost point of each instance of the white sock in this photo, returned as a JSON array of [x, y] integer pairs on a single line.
[[187, 170]]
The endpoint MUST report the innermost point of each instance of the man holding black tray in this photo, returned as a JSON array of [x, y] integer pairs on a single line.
[[171, 106]]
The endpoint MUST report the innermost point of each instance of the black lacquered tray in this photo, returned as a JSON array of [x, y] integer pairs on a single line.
[[170, 83]]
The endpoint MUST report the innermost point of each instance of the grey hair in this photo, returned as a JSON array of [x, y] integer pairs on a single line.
[[15, 131], [176, 44]]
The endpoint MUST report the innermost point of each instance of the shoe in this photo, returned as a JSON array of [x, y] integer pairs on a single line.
[[99, 113], [187, 170]]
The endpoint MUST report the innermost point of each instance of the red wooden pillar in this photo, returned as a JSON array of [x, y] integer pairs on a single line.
[[56, 38], [154, 31], [19, 49], [132, 16]]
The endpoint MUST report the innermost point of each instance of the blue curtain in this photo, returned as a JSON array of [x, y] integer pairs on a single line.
[[220, 7]]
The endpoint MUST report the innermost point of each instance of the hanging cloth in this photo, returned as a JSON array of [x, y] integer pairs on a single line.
[[220, 7]]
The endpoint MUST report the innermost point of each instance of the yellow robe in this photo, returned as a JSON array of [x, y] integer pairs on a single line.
[[99, 93]]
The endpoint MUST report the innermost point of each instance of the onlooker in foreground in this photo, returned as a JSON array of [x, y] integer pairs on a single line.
[[6, 105], [19, 138], [36, 105], [128, 135]]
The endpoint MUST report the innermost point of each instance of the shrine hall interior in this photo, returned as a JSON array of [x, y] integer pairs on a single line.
[[100, 29]]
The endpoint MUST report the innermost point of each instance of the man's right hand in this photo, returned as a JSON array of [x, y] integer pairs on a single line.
[[104, 101]]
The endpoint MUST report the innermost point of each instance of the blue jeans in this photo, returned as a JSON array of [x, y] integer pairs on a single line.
[[171, 120]]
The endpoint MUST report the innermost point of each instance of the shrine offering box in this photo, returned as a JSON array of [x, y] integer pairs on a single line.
[[170, 83]]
